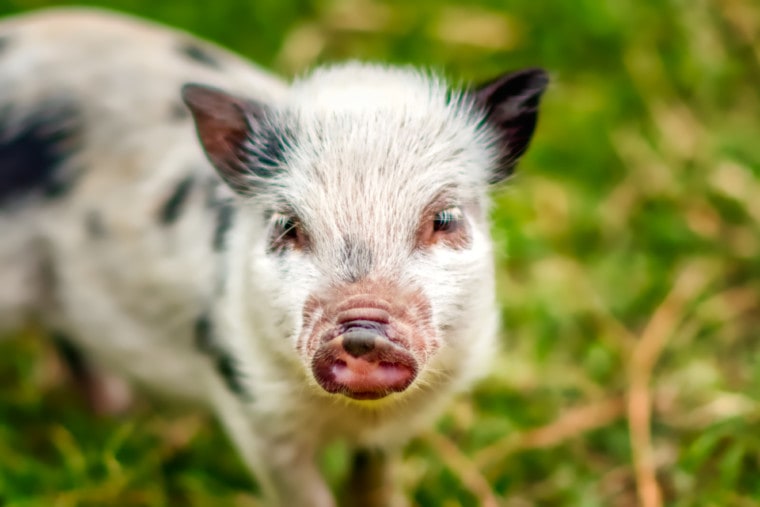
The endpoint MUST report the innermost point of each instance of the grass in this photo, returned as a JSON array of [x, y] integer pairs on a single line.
[[629, 269]]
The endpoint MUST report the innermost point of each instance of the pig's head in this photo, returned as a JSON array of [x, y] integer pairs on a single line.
[[362, 211]]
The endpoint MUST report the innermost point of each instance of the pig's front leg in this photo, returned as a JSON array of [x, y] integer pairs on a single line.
[[295, 479], [285, 468], [370, 482]]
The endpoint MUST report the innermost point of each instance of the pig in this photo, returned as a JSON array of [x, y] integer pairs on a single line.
[[310, 261]]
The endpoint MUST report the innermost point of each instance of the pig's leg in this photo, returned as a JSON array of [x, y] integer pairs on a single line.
[[370, 482], [106, 394], [285, 468]]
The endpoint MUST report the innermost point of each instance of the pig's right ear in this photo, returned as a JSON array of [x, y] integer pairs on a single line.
[[225, 125], [511, 106]]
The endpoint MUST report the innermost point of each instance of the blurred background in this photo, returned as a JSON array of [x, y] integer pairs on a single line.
[[628, 251]]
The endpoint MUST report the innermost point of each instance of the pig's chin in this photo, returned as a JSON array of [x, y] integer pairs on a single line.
[[364, 381]]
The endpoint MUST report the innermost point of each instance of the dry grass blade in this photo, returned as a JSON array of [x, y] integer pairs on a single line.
[[661, 326], [570, 424], [464, 468], [744, 19]]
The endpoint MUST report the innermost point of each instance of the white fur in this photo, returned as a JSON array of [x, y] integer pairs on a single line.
[[374, 145]]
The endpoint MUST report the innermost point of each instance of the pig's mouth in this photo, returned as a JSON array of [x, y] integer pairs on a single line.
[[359, 361]]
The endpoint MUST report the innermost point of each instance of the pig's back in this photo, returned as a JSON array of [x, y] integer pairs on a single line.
[[109, 209]]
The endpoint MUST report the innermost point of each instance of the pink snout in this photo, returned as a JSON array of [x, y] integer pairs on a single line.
[[362, 363]]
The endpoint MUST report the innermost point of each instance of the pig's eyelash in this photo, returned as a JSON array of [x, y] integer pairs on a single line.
[[285, 224], [447, 219], [285, 229]]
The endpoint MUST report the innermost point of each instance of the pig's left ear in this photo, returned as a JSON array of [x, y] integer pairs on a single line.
[[511, 105], [226, 126]]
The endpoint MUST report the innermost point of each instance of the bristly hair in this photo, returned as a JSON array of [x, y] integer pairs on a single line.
[[265, 149], [370, 117]]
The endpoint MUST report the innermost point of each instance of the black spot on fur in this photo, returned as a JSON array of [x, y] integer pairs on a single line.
[[204, 341], [34, 145], [224, 362], [60, 186], [226, 366], [172, 208], [211, 186], [94, 225], [199, 55], [225, 214]]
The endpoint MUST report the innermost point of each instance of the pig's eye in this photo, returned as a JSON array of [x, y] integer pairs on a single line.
[[447, 220], [287, 231], [446, 227]]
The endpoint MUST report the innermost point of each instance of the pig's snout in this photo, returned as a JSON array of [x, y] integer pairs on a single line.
[[361, 362]]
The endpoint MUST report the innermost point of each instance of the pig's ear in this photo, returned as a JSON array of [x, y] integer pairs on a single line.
[[511, 105], [226, 125]]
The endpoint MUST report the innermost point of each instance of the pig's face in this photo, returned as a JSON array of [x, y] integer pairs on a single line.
[[370, 187], [377, 244]]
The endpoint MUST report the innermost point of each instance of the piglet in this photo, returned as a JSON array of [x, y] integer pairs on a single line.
[[310, 261]]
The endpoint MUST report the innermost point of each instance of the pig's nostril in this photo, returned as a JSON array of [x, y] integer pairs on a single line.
[[359, 341]]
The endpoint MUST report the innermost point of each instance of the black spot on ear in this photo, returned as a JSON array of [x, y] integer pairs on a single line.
[[246, 141], [199, 55], [34, 145], [172, 208], [511, 105], [94, 225], [225, 214], [266, 151]]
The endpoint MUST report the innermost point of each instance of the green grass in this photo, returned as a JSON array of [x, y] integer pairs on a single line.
[[629, 268]]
